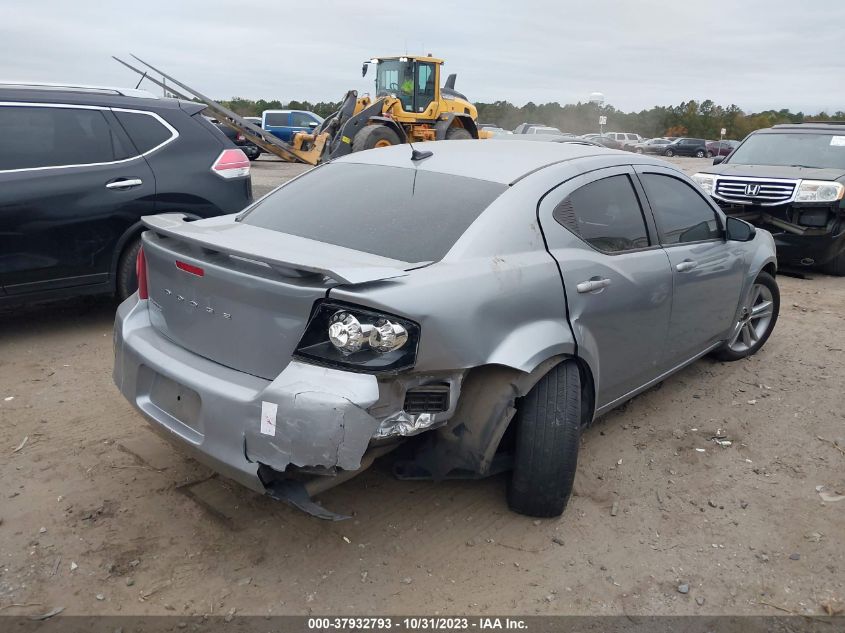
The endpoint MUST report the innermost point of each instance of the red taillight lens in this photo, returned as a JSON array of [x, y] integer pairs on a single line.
[[141, 271], [240, 137], [232, 163], [188, 268]]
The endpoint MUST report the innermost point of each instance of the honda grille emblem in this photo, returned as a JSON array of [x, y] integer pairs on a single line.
[[752, 190]]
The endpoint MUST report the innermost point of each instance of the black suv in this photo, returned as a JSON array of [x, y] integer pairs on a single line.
[[79, 167], [688, 147], [790, 180]]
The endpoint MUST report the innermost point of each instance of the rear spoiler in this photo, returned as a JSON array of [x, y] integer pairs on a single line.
[[279, 250]]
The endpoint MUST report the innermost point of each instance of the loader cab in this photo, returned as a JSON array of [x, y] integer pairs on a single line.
[[415, 81]]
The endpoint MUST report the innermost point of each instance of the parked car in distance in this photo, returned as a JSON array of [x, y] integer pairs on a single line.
[[287, 348], [285, 123], [80, 167], [687, 147], [523, 128], [626, 140], [542, 129], [498, 131], [652, 146], [790, 180], [721, 148], [607, 141], [251, 150]]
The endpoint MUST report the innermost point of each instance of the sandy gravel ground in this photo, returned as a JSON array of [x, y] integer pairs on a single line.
[[100, 516]]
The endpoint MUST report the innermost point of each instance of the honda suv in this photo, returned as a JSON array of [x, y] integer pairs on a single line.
[[790, 180], [80, 166]]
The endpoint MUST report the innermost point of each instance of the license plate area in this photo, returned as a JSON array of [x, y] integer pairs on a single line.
[[171, 403]]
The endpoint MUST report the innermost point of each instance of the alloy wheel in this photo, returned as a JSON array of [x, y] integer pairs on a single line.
[[754, 319]]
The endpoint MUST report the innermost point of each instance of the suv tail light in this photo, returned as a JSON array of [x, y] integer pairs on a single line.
[[240, 137], [141, 271], [232, 163]]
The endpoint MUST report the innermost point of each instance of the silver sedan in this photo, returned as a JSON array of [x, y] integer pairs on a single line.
[[479, 303]]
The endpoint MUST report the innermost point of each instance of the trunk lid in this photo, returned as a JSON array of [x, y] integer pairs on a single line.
[[242, 295]]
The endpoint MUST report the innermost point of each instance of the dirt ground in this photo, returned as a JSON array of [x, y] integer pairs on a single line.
[[100, 516]]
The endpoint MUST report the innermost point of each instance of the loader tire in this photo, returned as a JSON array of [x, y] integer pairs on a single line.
[[457, 134], [373, 136], [548, 433]]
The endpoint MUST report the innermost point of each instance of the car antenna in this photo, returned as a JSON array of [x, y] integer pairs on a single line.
[[417, 154]]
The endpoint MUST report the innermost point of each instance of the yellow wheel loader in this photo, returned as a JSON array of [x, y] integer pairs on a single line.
[[408, 105]]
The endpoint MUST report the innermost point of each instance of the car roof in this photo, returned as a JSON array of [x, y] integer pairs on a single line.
[[493, 160], [834, 127], [85, 95]]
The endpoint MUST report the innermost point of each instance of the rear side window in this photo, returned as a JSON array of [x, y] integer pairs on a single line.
[[145, 130], [55, 137], [405, 214], [277, 119], [682, 215], [606, 214]]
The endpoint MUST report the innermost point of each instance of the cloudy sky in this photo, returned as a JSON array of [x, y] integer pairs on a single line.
[[758, 54]]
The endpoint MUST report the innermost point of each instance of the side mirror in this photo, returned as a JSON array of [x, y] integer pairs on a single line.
[[718, 159], [739, 230], [364, 68]]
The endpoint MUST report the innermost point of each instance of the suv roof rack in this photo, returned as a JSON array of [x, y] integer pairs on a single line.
[[122, 92], [810, 123]]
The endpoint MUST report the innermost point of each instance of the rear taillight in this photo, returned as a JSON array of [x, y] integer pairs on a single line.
[[240, 138], [141, 271], [232, 163]]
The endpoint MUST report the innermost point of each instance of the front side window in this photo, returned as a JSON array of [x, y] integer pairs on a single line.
[[405, 214], [606, 214], [681, 214], [301, 119], [55, 137]]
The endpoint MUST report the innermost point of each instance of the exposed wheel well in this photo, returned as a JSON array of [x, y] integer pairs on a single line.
[[770, 268]]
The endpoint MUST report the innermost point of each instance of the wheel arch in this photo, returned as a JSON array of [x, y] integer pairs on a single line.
[[453, 119]]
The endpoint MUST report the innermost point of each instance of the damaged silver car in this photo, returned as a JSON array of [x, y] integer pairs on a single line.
[[479, 302]]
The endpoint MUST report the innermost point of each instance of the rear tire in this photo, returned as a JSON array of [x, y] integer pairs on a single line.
[[639, 150], [127, 276], [457, 134], [548, 432], [373, 136], [835, 266], [699, 153], [757, 338]]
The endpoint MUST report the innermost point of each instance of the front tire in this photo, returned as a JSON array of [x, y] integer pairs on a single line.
[[458, 134], [639, 150], [373, 136], [757, 318], [548, 432], [669, 153], [127, 276], [709, 154]]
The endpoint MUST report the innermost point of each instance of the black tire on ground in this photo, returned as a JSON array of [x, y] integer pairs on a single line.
[[709, 154], [457, 134], [669, 152], [548, 432], [373, 136], [127, 276], [836, 266], [725, 353], [639, 150], [699, 153]]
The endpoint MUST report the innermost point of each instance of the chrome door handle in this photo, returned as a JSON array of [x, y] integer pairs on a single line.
[[592, 285], [685, 266], [124, 184]]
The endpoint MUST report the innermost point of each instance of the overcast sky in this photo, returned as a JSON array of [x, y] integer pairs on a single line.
[[758, 54]]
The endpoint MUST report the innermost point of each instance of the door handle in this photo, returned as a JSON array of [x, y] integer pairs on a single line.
[[686, 266], [592, 285], [124, 184]]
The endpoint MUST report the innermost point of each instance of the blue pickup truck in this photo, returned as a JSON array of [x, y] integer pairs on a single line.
[[285, 123]]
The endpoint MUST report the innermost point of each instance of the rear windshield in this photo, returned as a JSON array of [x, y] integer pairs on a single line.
[[402, 213], [803, 150]]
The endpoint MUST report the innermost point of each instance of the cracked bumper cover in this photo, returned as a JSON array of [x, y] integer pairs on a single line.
[[215, 411]]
